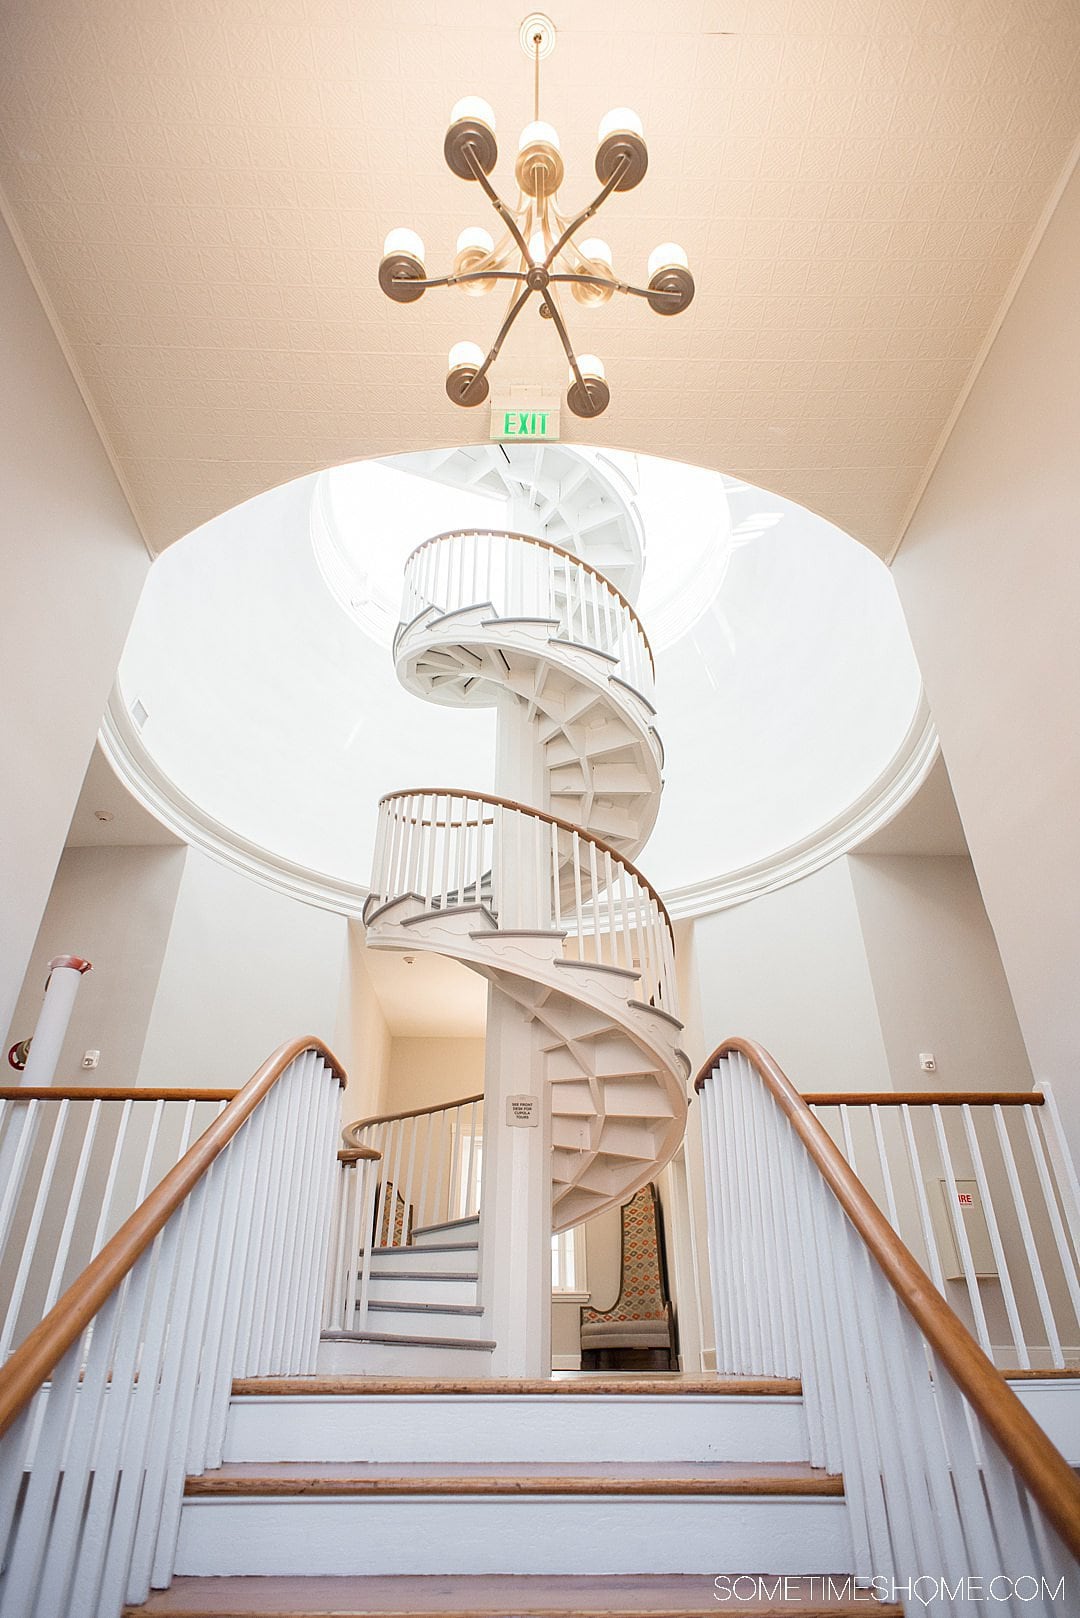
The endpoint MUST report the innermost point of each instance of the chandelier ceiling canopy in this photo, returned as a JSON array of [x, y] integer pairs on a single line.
[[538, 250]]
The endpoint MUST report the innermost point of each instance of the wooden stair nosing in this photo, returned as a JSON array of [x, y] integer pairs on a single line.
[[400, 1305], [431, 1247], [425, 1275], [371, 1479], [408, 1340], [644, 1386]]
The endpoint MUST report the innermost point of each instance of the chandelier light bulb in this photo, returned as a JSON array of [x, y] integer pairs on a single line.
[[591, 395], [537, 247], [473, 107], [671, 286], [596, 251], [401, 271], [474, 248], [470, 140], [462, 387], [590, 367], [474, 238], [620, 120], [406, 242], [466, 354], [538, 133], [665, 257], [598, 261]]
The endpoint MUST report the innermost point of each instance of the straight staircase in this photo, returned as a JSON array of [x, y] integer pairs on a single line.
[[585, 1495]]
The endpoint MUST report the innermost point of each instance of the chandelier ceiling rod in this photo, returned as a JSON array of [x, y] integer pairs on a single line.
[[538, 237]]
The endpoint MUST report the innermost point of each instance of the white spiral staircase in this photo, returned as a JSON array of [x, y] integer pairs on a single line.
[[544, 901]]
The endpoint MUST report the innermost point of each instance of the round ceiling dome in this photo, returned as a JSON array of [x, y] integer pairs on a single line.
[[257, 709]]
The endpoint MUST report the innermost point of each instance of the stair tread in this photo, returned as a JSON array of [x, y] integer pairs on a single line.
[[426, 1275], [401, 1305], [647, 1384], [446, 1224], [496, 1596], [529, 1477], [397, 1339], [432, 1247]]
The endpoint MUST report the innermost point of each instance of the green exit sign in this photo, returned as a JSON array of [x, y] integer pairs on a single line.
[[524, 422]]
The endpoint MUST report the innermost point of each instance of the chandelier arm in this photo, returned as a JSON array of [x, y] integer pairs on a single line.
[[616, 286], [494, 198], [469, 275], [493, 353], [564, 338], [587, 213]]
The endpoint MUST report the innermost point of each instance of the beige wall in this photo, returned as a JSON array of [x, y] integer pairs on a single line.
[[938, 982], [363, 1038], [989, 577], [71, 568], [789, 969], [427, 1072], [114, 906], [246, 968]]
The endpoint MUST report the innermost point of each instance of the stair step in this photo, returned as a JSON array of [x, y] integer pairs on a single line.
[[495, 1596], [445, 1257], [648, 1419], [449, 1227], [532, 1518], [464, 1320], [425, 1286]]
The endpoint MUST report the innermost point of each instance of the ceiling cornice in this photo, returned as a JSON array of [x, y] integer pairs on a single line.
[[149, 785], [7, 214], [987, 344]]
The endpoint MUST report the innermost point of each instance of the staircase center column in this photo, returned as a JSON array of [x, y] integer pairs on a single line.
[[515, 1259]]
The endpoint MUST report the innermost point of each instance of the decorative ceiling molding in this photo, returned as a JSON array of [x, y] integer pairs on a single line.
[[149, 785], [869, 813], [988, 342]]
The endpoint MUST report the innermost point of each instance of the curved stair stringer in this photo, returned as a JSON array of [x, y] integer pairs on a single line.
[[610, 1062], [603, 757]]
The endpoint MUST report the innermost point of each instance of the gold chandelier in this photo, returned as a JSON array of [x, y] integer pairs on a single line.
[[537, 251]]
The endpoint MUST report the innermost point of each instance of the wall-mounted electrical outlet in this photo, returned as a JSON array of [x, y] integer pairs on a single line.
[[928, 1061], [91, 1058]]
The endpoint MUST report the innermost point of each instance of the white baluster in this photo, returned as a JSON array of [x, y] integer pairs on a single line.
[[1004, 1275]]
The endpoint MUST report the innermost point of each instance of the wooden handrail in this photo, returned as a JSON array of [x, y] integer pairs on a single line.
[[351, 1131], [546, 545], [537, 814], [924, 1098], [34, 1360], [87, 1092], [1044, 1470], [359, 1154]]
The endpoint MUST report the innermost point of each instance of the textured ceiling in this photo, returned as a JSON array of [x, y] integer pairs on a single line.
[[202, 189]]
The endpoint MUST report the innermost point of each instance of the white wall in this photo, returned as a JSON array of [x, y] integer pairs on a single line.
[[789, 969], [114, 907], [71, 567], [989, 576], [937, 976], [246, 968]]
